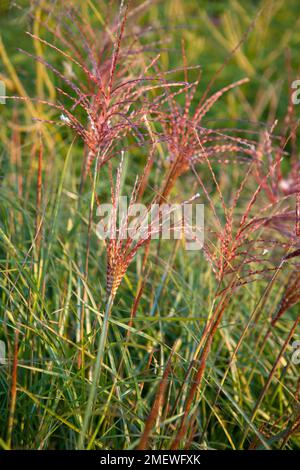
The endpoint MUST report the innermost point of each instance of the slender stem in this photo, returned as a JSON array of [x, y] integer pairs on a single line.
[[85, 311], [96, 375], [13, 392]]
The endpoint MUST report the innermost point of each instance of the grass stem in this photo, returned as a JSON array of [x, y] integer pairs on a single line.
[[96, 374]]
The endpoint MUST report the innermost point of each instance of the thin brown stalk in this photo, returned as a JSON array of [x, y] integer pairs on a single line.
[[188, 404], [209, 335], [157, 405], [270, 377]]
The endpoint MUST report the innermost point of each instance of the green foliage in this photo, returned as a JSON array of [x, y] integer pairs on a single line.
[[44, 287]]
